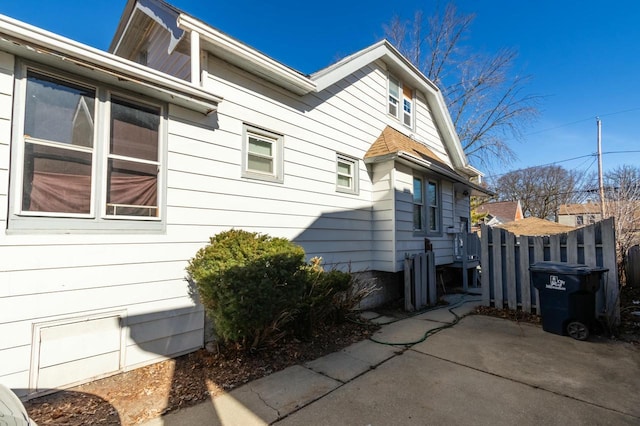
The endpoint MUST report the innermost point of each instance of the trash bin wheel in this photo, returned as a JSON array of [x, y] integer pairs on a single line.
[[578, 330]]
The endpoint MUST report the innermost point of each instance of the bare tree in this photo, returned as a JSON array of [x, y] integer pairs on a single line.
[[622, 201], [486, 100], [541, 190]]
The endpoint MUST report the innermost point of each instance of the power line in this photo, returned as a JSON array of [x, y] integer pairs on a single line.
[[620, 112], [583, 120], [542, 165], [560, 126], [622, 152], [564, 161]]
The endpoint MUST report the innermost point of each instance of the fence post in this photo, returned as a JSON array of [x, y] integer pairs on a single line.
[[538, 256], [431, 277], [485, 266], [510, 259], [633, 266], [554, 248], [497, 268], [525, 280], [572, 247], [408, 275], [611, 291]]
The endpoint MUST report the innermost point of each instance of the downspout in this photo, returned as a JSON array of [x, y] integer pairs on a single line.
[[394, 231], [195, 59]]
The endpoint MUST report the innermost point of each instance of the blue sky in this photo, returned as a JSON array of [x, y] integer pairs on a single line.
[[584, 57]]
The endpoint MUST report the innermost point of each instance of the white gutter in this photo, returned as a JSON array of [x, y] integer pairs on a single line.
[[35, 41], [412, 160], [245, 54]]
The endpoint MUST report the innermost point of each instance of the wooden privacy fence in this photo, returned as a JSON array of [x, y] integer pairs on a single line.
[[505, 260], [419, 281], [633, 266]]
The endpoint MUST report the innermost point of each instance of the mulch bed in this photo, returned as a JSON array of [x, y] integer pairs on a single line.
[[144, 393]]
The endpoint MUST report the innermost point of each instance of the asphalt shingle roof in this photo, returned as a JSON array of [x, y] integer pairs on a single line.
[[505, 211], [391, 141]]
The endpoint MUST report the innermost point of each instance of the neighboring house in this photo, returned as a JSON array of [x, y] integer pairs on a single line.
[[115, 168], [534, 226], [579, 214], [500, 212]]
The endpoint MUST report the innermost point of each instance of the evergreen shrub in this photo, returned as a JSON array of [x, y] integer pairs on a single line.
[[250, 284]]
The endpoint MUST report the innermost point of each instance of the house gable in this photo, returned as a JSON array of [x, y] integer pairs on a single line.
[[141, 15], [316, 159], [501, 211]]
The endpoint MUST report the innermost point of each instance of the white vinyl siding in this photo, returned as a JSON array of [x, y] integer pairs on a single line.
[[308, 209], [6, 96], [425, 130], [384, 235], [177, 63]]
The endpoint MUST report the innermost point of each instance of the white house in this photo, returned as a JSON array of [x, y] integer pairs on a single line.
[[115, 168]]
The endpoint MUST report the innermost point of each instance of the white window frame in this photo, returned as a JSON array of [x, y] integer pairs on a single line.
[[393, 101], [277, 154], [407, 115], [427, 209], [418, 202], [433, 211], [399, 102], [353, 176], [96, 221]]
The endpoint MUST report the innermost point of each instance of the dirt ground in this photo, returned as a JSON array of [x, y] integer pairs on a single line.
[[133, 397], [630, 314]]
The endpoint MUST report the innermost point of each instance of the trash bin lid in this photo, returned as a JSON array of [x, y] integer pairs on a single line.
[[565, 268]]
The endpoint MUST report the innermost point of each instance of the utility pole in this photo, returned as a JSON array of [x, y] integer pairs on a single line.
[[600, 178]]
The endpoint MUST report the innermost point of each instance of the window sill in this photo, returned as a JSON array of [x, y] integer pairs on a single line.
[[261, 177], [65, 225], [347, 191]]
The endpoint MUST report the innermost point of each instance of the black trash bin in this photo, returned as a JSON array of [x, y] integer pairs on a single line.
[[567, 297]]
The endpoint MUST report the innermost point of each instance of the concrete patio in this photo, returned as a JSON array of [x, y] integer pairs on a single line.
[[482, 370]]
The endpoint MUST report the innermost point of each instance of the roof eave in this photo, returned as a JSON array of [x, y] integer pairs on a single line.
[[245, 57], [413, 161], [36, 44]]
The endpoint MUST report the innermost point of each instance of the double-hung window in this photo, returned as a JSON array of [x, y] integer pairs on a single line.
[[132, 167], [407, 106], [394, 96], [400, 103], [433, 207], [418, 204], [262, 154], [346, 174], [84, 157], [426, 206]]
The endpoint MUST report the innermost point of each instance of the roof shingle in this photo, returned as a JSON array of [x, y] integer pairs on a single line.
[[391, 141]]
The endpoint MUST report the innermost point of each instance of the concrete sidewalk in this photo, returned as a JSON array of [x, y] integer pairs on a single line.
[[481, 371]]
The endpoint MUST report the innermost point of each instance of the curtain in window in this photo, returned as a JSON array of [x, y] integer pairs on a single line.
[[64, 193]]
